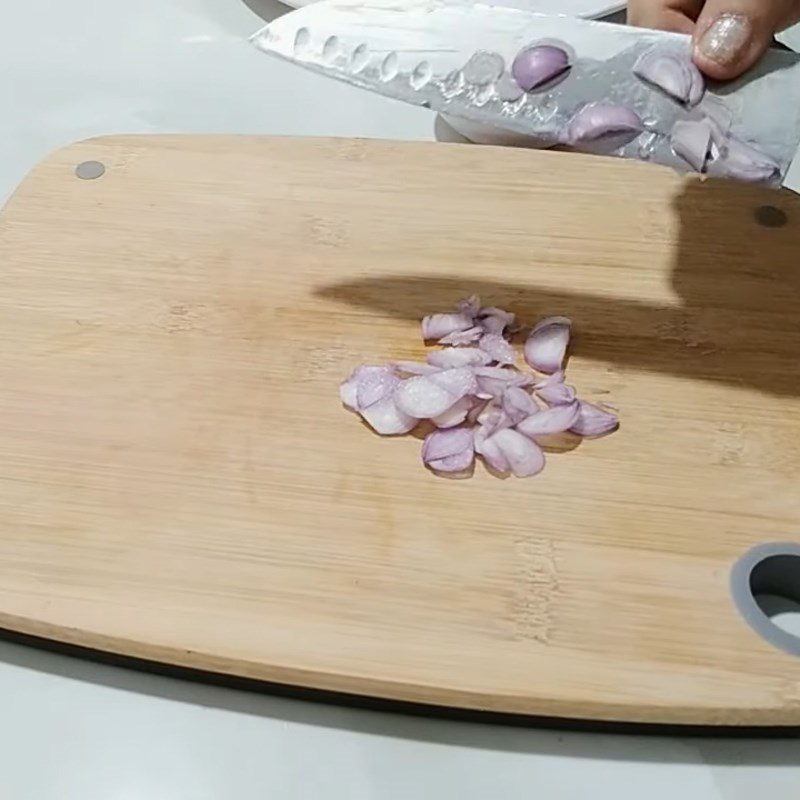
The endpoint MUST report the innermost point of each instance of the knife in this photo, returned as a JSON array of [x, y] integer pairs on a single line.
[[455, 58]]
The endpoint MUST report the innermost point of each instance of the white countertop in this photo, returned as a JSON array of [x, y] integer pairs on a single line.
[[72, 730]]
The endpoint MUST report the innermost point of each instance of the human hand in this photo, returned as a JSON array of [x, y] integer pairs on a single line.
[[729, 35]]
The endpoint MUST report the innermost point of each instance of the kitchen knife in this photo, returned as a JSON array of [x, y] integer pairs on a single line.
[[455, 57]]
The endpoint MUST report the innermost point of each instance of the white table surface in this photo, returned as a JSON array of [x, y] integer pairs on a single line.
[[71, 730]]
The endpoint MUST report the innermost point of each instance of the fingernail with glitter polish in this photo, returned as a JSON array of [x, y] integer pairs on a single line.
[[726, 38]]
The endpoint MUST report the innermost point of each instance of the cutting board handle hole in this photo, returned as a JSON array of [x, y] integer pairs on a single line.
[[771, 217], [765, 584]]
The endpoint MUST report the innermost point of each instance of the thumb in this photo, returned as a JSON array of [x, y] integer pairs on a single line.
[[731, 35]]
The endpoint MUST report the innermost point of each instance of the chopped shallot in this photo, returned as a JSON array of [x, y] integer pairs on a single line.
[[554, 391], [547, 344], [451, 450], [594, 421], [437, 326], [478, 401], [555, 419], [452, 357]]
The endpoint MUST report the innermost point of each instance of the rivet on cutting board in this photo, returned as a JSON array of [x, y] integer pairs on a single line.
[[771, 217], [765, 584], [89, 170]]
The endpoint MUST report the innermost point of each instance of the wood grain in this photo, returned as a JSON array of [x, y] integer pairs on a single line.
[[179, 482]]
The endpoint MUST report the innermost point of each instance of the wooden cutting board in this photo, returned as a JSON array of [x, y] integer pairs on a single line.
[[179, 482]]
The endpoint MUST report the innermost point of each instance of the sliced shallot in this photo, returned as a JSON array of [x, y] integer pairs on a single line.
[[538, 65], [547, 344], [518, 404], [494, 418], [421, 398], [449, 450], [414, 368], [603, 121], [471, 306], [456, 414], [496, 320], [475, 396], [493, 381], [458, 357], [594, 421], [673, 73], [469, 336], [428, 396], [555, 419], [691, 141], [370, 392], [521, 455], [437, 326], [743, 162], [497, 348], [374, 384], [554, 391]]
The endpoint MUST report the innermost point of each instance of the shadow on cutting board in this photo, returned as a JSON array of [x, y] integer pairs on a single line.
[[736, 272]]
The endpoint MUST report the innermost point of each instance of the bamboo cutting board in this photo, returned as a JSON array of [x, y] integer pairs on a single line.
[[179, 482]]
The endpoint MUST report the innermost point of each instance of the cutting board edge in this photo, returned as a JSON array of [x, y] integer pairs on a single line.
[[139, 653]]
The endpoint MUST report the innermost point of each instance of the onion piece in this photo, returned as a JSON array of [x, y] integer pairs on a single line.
[[414, 368], [547, 344], [518, 404], [494, 419], [469, 336], [459, 381], [374, 384], [493, 381], [436, 326], [453, 357], [603, 122], [535, 66], [522, 455], [367, 385], [470, 307], [490, 450], [477, 407], [554, 391], [555, 419], [428, 396], [450, 450], [348, 391], [421, 398], [743, 162], [672, 73], [370, 392], [387, 419], [691, 141], [497, 349], [594, 421], [456, 414], [495, 320]]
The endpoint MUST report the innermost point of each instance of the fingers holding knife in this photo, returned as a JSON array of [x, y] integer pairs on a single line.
[[730, 36]]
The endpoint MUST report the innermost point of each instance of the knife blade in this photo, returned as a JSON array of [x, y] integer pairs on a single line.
[[454, 58]]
